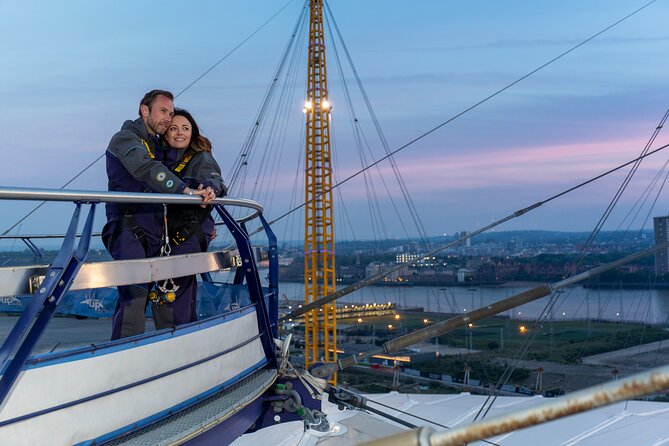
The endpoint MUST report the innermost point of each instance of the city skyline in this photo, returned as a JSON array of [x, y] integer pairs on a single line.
[[78, 70]]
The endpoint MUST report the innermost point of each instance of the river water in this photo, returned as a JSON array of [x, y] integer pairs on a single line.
[[650, 306]]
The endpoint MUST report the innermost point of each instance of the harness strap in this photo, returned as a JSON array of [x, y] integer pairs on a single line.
[[128, 220], [186, 231], [183, 163]]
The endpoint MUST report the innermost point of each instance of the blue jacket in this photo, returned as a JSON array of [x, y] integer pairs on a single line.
[[132, 168]]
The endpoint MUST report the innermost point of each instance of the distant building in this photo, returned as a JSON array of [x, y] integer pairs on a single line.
[[468, 242], [466, 275], [661, 226], [376, 268], [406, 258]]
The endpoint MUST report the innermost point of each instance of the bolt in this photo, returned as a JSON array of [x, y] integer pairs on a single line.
[[42, 290], [52, 273]]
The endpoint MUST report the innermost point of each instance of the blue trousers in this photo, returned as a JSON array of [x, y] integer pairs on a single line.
[[123, 244], [184, 308]]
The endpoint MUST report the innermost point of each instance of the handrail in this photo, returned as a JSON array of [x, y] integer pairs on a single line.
[[41, 236], [84, 196]]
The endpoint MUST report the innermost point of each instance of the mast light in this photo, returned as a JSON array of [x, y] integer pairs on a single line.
[[308, 105]]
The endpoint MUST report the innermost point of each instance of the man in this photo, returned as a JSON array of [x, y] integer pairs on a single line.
[[138, 162]]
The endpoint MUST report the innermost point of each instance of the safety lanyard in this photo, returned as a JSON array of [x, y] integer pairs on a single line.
[[165, 291], [166, 249]]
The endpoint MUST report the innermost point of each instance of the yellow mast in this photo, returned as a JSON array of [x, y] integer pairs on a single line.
[[319, 257]]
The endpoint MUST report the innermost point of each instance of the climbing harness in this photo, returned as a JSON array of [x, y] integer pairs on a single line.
[[187, 221], [165, 291]]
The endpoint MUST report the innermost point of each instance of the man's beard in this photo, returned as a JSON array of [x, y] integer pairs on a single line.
[[153, 126]]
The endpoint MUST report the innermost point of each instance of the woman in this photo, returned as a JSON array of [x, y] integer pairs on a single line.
[[191, 227]]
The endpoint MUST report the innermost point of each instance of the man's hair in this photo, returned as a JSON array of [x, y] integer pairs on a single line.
[[151, 96]]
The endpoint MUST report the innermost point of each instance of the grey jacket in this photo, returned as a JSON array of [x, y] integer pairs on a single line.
[[203, 169]]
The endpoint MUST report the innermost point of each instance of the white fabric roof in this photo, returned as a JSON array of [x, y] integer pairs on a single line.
[[636, 423]]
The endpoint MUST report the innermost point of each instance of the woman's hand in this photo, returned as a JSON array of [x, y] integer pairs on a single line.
[[208, 195]]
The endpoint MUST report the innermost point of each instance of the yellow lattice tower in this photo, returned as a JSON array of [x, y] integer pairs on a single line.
[[319, 256]]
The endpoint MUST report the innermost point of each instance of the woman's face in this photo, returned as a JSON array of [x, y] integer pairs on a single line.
[[178, 134]]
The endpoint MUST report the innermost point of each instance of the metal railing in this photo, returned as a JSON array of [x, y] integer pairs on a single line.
[[82, 196], [61, 275]]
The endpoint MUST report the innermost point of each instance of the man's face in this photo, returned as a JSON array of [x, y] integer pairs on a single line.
[[158, 117]]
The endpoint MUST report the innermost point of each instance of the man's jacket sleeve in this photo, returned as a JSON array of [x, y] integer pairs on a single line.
[[136, 158]]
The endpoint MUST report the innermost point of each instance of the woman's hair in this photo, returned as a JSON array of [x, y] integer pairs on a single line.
[[198, 143]]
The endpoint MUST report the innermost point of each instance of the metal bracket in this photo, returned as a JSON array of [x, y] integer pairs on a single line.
[[345, 399]]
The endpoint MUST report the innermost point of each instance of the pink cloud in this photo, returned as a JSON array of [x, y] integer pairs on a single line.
[[531, 166]]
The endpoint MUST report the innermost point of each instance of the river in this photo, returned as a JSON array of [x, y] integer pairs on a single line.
[[650, 306]]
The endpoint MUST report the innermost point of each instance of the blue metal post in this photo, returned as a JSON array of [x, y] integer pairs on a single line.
[[32, 323], [250, 271], [273, 275]]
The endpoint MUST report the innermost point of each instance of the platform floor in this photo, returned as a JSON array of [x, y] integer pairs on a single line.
[[67, 332]]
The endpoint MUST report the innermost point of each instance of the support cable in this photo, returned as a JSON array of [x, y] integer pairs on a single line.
[[447, 325], [422, 419], [365, 282], [234, 49], [492, 397], [247, 147], [384, 142], [6, 231], [423, 135], [362, 143], [376, 222], [482, 101], [620, 190]]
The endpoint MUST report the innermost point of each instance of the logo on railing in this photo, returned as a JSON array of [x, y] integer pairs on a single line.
[[11, 300], [94, 304]]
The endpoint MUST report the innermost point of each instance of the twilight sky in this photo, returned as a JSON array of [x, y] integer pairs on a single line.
[[73, 71]]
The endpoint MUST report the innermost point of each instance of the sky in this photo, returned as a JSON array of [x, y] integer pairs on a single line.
[[73, 71]]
